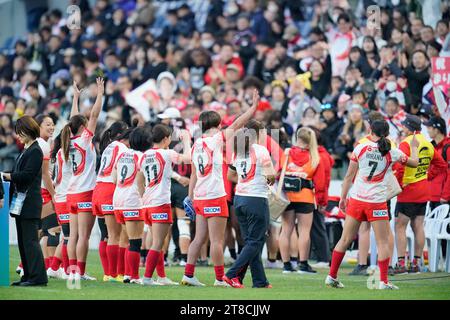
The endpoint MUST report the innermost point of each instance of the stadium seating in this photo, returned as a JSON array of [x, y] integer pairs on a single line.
[[433, 226], [444, 235]]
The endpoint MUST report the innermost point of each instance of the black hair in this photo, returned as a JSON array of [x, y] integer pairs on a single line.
[[41, 117], [141, 139], [71, 127], [381, 130], [55, 149], [393, 99], [111, 134], [160, 132], [209, 120], [345, 17], [318, 136], [246, 136], [32, 84]]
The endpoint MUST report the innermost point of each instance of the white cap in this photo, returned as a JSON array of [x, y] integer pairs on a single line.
[[170, 113]]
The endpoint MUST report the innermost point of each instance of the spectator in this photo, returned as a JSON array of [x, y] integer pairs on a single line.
[[417, 74], [156, 57]]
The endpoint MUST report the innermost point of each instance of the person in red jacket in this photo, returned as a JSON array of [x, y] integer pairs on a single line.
[[319, 238], [439, 184], [227, 56], [304, 183]]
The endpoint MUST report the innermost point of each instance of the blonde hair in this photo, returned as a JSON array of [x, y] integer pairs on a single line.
[[308, 136]]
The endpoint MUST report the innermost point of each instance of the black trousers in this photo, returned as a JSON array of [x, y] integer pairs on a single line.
[[320, 247], [253, 217], [30, 250]]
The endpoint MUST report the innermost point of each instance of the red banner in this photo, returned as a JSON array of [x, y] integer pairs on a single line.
[[441, 72]]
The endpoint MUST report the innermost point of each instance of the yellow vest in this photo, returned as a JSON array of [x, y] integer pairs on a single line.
[[425, 153]]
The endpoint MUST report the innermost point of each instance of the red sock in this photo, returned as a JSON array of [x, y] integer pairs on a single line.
[[384, 267], [160, 270], [65, 257], [103, 257], [20, 265], [73, 265], [134, 258], [127, 265], [82, 266], [336, 260], [189, 270], [113, 254], [150, 264], [56, 262], [47, 263], [121, 261], [219, 270]]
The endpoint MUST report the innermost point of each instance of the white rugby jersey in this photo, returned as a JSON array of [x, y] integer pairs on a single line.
[[369, 184], [251, 181], [156, 165], [82, 159], [61, 177], [207, 157], [46, 150], [126, 195], [108, 161]]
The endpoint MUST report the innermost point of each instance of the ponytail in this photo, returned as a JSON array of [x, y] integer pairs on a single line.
[[55, 149], [71, 128], [380, 128], [65, 141], [111, 134], [308, 136]]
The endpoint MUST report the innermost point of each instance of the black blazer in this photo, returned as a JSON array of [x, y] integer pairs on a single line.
[[27, 175]]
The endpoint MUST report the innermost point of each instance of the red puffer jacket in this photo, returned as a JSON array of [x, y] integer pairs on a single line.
[[328, 163], [440, 184]]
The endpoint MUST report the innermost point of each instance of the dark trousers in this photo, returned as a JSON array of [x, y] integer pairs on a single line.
[[319, 238], [253, 217], [30, 250]]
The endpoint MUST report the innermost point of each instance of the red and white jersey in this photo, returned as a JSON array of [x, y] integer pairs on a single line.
[[61, 177], [156, 165], [207, 157], [108, 161], [82, 159], [251, 179], [370, 184], [46, 150], [126, 196]]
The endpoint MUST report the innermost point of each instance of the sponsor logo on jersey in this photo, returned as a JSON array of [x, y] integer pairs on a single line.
[[84, 205], [107, 207], [159, 216], [131, 214], [212, 210], [380, 213], [64, 217]]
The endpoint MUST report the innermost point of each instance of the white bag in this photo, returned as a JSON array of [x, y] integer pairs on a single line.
[[277, 199], [393, 187]]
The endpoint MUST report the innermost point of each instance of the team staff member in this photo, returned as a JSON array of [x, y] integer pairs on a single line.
[[207, 190], [370, 161], [79, 151], [112, 143], [252, 169], [440, 184], [306, 177], [412, 201], [26, 178], [156, 172], [127, 199]]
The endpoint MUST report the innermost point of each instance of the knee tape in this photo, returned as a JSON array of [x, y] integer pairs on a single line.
[[66, 230], [183, 227], [53, 241], [135, 245], [103, 229], [49, 222]]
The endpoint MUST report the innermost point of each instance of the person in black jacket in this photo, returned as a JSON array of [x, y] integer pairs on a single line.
[[26, 178]]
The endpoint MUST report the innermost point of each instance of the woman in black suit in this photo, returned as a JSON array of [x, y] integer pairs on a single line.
[[26, 177]]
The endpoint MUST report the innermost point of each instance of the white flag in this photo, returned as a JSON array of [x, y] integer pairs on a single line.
[[143, 98]]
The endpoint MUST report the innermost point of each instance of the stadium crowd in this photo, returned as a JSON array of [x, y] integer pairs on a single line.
[[321, 72]]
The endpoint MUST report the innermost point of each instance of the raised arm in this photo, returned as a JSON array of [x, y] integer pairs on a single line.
[[244, 118], [185, 157], [97, 107], [76, 96]]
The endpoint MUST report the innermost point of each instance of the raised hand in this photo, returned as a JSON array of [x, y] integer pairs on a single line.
[[255, 99], [100, 86], [76, 91], [414, 142]]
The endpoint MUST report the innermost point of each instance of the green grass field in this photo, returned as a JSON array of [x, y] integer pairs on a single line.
[[285, 287]]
